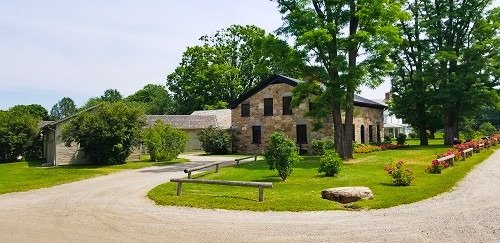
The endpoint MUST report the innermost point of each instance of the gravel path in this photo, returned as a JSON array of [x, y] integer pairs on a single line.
[[115, 208]]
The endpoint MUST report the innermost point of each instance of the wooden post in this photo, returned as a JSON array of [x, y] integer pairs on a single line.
[[217, 168], [261, 194], [189, 175], [179, 188], [255, 159]]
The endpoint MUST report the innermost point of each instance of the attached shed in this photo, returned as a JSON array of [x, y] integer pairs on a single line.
[[194, 123], [55, 150], [191, 124]]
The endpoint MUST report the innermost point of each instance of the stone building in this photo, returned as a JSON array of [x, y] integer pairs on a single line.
[[266, 109]]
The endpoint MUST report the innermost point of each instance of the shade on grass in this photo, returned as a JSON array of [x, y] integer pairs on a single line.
[[23, 176], [302, 190]]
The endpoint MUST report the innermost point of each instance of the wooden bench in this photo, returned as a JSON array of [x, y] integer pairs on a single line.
[[481, 146], [260, 185], [190, 170], [450, 157], [240, 159], [468, 151]]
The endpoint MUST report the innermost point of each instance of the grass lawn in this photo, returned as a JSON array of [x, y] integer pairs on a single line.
[[302, 190], [24, 176]]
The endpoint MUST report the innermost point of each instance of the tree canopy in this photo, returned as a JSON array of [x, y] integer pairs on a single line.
[[34, 110], [228, 63], [63, 108], [448, 64], [350, 42], [155, 98]]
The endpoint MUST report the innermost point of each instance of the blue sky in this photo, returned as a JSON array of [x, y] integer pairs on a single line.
[[52, 49]]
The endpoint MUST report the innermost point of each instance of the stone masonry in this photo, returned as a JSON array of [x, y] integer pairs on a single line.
[[242, 126]]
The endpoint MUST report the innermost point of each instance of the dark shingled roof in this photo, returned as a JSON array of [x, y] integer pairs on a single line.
[[277, 79], [184, 121]]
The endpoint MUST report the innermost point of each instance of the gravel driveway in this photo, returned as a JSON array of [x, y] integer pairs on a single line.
[[115, 208]]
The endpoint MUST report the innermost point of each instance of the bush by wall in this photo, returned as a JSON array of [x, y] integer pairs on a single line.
[[106, 134], [215, 140], [165, 142], [319, 146]]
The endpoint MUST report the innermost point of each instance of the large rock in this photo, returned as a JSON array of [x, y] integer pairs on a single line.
[[347, 194]]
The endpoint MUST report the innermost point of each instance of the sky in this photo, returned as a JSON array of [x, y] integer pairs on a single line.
[[52, 49]]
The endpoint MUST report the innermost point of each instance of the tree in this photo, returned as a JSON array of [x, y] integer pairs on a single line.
[[350, 42], [18, 131], [107, 133], [228, 63], [165, 142], [34, 110], [411, 95], [155, 98], [281, 154], [111, 95], [463, 65], [63, 108]]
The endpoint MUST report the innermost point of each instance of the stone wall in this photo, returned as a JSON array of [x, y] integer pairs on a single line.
[[242, 126]]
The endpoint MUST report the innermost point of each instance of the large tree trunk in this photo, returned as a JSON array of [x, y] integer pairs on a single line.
[[450, 127], [342, 131], [422, 134], [422, 126]]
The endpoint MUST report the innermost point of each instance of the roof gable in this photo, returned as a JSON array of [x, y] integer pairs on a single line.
[[277, 79]]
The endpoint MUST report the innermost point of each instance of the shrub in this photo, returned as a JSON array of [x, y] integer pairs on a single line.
[[436, 167], [106, 134], [487, 129], [401, 176], [18, 133], [319, 146], [412, 135], [330, 163], [164, 142], [215, 140], [401, 139], [387, 138], [281, 154]]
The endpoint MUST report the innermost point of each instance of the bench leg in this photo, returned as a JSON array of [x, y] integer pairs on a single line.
[[261, 194], [255, 159], [179, 188], [189, 175], [217, 168]]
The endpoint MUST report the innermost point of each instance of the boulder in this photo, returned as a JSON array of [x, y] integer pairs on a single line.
[[347, 194]]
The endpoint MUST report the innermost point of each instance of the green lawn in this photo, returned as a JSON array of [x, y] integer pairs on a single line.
[[23, 176], [301, 191]]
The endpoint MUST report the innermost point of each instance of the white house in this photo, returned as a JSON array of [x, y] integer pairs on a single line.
[[393, 126]]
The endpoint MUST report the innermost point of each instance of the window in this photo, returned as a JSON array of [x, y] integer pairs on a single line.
[[379, 139], [268, 106], [287, 105], [301, 134], [256, 135], [370, 133], [362, 131], [245, 110]]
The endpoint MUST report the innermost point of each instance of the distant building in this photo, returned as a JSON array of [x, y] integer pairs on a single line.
[[393, 126]]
